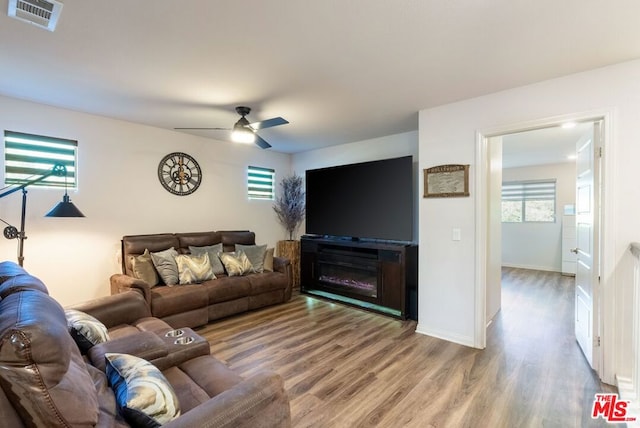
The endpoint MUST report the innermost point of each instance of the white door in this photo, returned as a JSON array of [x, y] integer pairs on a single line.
[[587, 250]]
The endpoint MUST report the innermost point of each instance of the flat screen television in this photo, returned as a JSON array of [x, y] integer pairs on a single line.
[[369, 200]]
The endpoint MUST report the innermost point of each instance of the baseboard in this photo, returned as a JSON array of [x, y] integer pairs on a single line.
[[531, 267], [445, 335], [626, 392]]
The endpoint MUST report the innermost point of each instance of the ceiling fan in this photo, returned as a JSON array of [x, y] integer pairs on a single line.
[[245, 132]]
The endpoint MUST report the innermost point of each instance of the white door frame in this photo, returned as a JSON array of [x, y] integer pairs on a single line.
[[606, 369]]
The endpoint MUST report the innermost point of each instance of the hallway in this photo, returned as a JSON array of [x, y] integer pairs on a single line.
[[535, 329]]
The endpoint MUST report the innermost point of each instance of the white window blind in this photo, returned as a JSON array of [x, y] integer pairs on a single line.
[[529, 201], [260, 183], [27, 157]]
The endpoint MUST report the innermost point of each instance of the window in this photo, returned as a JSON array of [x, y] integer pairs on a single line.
[[260, 183], [529, 201], [27, 157]]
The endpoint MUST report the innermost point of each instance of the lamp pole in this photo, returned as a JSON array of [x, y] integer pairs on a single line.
[[22, 236], [11, 232]]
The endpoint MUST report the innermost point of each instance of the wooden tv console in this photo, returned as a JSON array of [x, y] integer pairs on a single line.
[[377, 276]]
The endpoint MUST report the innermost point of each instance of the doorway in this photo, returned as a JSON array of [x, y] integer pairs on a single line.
[[515, 139], [539, 188]]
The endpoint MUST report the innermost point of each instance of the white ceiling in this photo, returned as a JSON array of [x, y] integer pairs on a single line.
[[542, 146], [339, 71]]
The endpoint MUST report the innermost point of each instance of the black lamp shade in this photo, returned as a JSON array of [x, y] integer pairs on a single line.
[[65, 209]]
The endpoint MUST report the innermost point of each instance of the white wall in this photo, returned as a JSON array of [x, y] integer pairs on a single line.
[[539, 245], [391, 146], [448, 134], [119, 193]]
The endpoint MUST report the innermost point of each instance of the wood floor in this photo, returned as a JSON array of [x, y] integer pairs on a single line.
[[345, 367]]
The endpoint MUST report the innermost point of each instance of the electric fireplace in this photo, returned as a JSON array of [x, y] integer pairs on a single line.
[[354, 273], [377, 276]]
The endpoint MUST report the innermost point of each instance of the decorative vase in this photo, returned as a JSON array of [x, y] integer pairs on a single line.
[[290, 249]]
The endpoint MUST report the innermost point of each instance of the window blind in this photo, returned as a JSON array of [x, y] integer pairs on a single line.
[[260, 183], [529, 191], [28, 156]]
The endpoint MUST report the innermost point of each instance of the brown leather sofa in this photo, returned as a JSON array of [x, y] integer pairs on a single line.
[[196, 304], [45, 381]]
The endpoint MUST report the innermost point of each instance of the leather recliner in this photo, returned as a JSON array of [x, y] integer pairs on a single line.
[[46, 381]]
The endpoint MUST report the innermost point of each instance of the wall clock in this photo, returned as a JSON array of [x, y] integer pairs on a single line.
[[179, 173]]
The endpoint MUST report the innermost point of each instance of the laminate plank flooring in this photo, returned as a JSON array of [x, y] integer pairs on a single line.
[[344, 367]]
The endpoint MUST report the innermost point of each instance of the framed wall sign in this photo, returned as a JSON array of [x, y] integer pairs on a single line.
[[446, 181]]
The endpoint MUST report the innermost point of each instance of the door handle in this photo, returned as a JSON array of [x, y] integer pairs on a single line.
[[574, 250]]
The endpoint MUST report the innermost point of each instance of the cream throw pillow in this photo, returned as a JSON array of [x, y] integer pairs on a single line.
[[143, 268], [144, 396], [86, 330], [268, 260], [236, 263], [194, 269]]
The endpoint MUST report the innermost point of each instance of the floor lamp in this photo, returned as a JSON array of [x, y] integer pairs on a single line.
[[62, 209]]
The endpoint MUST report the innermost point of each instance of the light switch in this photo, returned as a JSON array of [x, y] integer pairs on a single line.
[[455, 235]]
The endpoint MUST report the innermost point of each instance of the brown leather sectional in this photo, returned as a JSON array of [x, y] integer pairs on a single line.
[[196, 304], [45, 381]]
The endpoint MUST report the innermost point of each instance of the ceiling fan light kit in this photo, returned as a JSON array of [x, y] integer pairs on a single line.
[[242, 134]]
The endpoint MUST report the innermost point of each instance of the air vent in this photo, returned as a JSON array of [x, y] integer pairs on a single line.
[[41, 13]]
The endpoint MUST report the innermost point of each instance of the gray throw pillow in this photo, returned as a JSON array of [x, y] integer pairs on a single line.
[[213, 251], [165, 264], [255, 254]]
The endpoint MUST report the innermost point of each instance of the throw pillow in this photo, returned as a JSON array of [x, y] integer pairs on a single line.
[[143, 395], [85, 329], [255, 254], [213, 251], [268, 260], [143, 268], [194, 269], [236, 263], [165, 264]]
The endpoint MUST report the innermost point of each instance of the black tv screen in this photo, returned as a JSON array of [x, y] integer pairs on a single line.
[[369, 200]]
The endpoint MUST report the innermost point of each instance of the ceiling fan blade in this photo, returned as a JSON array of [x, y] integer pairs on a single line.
[[268, 123], [260, 142], [208, 129]]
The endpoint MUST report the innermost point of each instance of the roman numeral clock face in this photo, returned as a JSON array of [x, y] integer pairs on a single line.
[[179, 173]]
